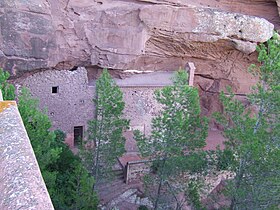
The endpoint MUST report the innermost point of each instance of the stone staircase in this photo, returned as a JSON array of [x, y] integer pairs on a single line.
[[116, 194]]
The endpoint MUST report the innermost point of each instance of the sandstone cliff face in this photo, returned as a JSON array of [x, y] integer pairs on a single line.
[[129, 34], [27, 35], [219, 37]]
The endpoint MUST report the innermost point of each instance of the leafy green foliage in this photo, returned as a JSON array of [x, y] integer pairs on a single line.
[[74, 183], [253, 139], [106, 142], [66, 178], [7, 89], [225, 159], [176, 142], [192, 194], [37, 125]]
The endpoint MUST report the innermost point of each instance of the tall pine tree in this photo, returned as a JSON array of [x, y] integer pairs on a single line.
[[253, 137], [175, 144], [106, 142]]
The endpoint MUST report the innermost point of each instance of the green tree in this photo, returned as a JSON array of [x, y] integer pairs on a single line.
[[252, 151], [106, 142], [7, 89], [73, 189], [37, 125], [175, 144]]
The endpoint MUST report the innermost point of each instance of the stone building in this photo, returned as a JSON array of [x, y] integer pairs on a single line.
[[67, 98], [67, 95]]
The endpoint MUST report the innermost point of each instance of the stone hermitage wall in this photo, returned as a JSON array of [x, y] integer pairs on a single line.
[[140, 107], [72, 105]]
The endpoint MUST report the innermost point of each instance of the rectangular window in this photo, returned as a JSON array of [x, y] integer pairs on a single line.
[[78, 135], [55, 89]]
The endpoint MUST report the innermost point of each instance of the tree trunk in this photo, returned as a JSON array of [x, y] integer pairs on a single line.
[[97, 162], [160, 183], [158, 194], [97, 152]]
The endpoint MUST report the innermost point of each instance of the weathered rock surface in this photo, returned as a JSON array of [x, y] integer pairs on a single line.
[[219, 37], [27, 36], [135, 34]]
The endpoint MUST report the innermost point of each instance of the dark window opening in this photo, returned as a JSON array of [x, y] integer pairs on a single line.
[[78, 135], [55, 89]]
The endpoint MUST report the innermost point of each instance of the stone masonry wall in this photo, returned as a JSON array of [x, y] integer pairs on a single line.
[[71, 106], [140, 107]]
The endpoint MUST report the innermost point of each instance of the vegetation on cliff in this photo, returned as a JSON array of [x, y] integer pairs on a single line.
[[253, 137], [7, 89], [175, 145]]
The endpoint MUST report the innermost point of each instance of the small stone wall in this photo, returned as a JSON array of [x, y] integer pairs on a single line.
[[137, 169], [21, 183]]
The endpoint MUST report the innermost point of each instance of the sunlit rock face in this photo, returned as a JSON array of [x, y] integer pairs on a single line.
[[219, 37], [131, 34]]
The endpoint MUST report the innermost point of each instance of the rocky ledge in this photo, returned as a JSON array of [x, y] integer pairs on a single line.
[[128, 34]]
